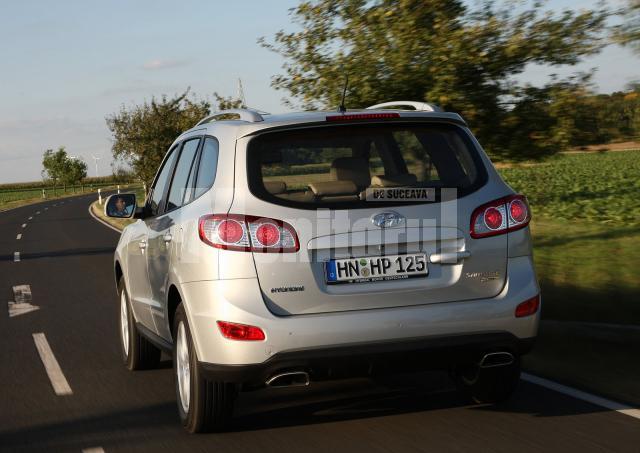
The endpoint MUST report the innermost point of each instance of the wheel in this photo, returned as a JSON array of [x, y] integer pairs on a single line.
[[488, 385], [138, 353], [203, 405]]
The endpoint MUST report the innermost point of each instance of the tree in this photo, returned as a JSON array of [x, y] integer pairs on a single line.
[[143, 133], [547, 119], [437, 50], [76, 171], [59, 167], [628, 32], [225, 103], [121, 174], [55, 163]]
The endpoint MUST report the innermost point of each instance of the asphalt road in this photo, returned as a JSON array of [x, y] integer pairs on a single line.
[[66, 258]]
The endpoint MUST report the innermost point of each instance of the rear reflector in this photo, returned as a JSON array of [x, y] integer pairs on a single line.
[[363, 116], [500, 216], [528, 307], [240, 332]]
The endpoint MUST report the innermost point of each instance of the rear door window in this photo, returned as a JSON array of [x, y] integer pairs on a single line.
[[181, 175], [159, 190], [208, 166], [336, 165]]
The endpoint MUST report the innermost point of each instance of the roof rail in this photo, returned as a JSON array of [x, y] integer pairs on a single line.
[[418, 106], [249, 115]]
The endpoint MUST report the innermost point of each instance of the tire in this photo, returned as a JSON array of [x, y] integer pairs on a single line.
[[488, 385], [138, 353], [203, 405]]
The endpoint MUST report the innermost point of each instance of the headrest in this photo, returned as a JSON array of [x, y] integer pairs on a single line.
[[275, 187], [354, 169], [333, 188], [405, 179]]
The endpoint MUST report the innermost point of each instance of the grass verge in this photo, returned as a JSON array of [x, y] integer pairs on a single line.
[[5, 206], [588, 271], [98, 210]]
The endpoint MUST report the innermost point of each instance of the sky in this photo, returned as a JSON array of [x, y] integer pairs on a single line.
[[66, 65]]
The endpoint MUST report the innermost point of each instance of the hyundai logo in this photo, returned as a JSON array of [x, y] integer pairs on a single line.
[[387, 219]]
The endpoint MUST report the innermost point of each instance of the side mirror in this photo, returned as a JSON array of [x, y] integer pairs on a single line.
[[120, 206]]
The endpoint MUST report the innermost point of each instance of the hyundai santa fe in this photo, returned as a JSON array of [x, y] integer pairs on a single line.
[[279, 250]]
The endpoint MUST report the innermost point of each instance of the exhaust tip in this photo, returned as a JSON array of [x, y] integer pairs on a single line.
[[289, 379], [493, 359]]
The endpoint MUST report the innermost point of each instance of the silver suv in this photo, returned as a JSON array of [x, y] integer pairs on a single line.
[[278, 250]]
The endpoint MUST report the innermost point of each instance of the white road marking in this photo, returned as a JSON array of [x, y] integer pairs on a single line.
[[16, 309], [22, 301], [46, 209], [24, 225], [31, 218], [19, 236], [37, 212], [22, 293], [103, 222], [584, 396], [58, 381], [93, 450], [20, 309], [16, 257]]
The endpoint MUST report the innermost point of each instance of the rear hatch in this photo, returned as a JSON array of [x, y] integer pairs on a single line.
[[381, 212]]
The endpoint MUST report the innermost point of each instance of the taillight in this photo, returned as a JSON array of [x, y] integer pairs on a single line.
[[528, 307], [241, 332], [248, 233], [268, 234], [500, 216], [230, 231]]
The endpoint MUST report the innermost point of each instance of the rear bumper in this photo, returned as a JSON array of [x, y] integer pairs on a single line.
[[373, 358], [240, 300]]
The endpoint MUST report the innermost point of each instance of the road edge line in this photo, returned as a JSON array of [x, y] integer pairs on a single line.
[[583, 396], [102, 221]]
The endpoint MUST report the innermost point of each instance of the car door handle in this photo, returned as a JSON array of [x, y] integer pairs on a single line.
[[167, 237], [449, 257], [142, 244]]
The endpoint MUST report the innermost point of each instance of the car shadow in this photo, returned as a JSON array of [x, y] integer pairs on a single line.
[[364, 398], [425, 394]]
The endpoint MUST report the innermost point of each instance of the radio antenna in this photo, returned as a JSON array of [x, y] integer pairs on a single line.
[[342, 107]]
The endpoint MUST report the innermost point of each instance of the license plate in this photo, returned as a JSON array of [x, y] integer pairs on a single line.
[[376, 268]]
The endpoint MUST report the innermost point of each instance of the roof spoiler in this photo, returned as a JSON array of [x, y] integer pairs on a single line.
[[418, 106], [249, 115]]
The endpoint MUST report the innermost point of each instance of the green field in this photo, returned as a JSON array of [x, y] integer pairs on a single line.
[[15, 195], [586, 226], [601, 188]]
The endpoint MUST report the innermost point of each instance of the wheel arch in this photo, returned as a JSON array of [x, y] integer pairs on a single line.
[[118, 271], [174, 298]]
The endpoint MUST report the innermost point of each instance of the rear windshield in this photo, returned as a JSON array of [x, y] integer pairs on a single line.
[[347, 166]]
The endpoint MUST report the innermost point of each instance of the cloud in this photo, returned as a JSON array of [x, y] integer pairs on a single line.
[[154, 65], [22, 142]]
